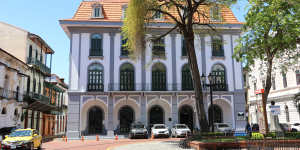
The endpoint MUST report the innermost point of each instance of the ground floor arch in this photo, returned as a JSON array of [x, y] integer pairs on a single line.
[[126, 117], [95, 120], [186, 116], [217, 114], [156, 115]]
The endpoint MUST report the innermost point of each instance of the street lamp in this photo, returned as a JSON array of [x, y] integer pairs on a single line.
[[203, 78]]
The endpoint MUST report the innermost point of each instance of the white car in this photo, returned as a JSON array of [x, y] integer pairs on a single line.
[[160, 130], [223, 127], [295, 127], [180, 130]]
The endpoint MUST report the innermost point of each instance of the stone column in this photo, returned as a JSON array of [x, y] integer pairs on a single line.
[[174, 109], [110, 122], [143, 109], [73, 119]]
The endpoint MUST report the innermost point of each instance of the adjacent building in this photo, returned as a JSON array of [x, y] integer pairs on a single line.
[[284, 92], [42, 101], [13, 74], [108, 90]]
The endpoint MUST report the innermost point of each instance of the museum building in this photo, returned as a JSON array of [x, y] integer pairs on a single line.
[[108, 90]]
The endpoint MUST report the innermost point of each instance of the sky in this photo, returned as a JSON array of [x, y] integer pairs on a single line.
[[41, 17]]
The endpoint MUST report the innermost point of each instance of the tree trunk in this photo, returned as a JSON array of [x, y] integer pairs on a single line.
[[267, 91], [189, 38]]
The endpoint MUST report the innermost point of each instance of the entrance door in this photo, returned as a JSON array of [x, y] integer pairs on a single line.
[[95, 120], [156, 115], [186, 116], [218, 114], [126, 115]]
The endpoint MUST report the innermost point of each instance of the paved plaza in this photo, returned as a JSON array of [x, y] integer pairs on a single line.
[[110, 144]]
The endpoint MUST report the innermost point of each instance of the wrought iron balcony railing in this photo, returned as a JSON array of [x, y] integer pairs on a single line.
[[96, 52], [38, 64], [166, 87], [38, 97], [9, 94]]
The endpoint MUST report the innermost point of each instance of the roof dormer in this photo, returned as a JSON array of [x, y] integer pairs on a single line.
[[124, 8], [97, 11]]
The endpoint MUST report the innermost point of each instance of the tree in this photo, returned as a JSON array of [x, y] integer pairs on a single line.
[[271, 34], [185, 16]]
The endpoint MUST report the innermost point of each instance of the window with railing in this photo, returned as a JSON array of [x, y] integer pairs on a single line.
[[298, 77], [127, 77], [96, 45], [159, 79], [217, 46], [218, 78], [95, 78], [30, 51], [187, 81], [34, 85], [183, 48], [124, 47], [158, 48]]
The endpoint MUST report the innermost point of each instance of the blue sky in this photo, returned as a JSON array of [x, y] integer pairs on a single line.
[[41, 17]]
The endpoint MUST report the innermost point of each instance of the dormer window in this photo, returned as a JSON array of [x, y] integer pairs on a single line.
[[157, 16], [97, 11], [124, 8], [215, 14]]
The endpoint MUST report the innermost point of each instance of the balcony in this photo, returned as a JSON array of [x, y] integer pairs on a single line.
[[39, 102], [96, 52], [39, 65], [9, 94]]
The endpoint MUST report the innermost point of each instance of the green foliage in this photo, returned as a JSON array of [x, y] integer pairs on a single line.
[[271, 30], [257, 136], [295, 135], [271, 134]]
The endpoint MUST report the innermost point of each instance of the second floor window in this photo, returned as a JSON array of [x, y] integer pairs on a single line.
[[34, 85], [127, 77], [30, 52], [284, 81], [183, 47], [219, 78], [124, 48], [158, 48], [96, 45], [159, 77], [95, 78], [298, 77], [217, 46], [187, 81]]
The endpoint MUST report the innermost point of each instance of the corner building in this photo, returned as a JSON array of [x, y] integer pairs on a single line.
[[108, 90]]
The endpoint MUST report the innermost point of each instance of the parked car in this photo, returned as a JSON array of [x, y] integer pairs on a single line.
[[160, 130], [295, 127], [223, 127], [285, 127], [180, 130], [22, 138], [138, 130], [255, 127]]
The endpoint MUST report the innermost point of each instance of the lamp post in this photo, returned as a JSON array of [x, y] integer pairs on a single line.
[[203, 78]]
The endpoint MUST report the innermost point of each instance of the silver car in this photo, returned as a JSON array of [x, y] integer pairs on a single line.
[[180, 130]]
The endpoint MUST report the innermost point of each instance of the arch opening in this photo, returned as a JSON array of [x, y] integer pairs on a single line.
[[95, 120], [156, 115], [218, 114], [126, 116], [186, 116]]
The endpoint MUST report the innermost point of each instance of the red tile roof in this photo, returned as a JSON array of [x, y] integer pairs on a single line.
[[112, 11]]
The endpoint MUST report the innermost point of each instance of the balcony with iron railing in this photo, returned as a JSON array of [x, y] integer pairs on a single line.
[[164, 87], [39, 65], [10, 95]]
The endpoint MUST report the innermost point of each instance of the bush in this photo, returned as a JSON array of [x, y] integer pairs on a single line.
[[257, 136], [210, 134], [271, 134], [295, 135]]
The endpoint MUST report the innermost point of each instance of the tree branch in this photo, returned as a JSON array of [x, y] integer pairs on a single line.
[[163, 35]]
